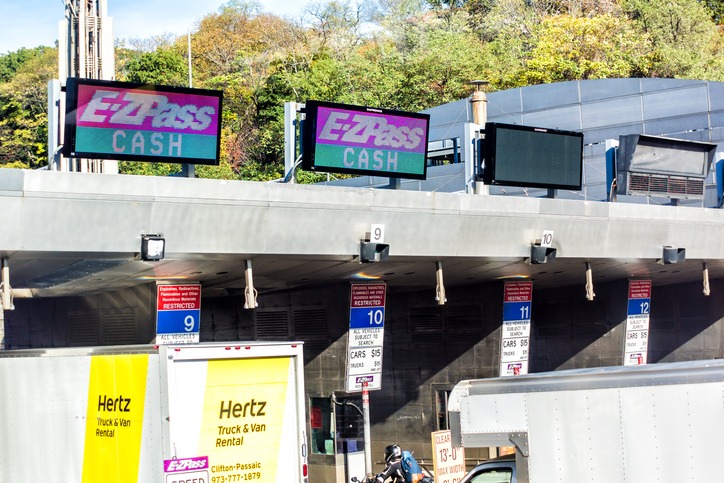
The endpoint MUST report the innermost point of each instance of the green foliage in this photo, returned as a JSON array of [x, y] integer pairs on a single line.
[[599, 47], [254, 170], [12, 62], [222, 171], [160, 67], [148, 169], [407, 55], [716, 7], [681, 32], [23, 107]]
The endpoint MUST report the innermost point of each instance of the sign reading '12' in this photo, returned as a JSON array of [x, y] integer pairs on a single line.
[[120, 120], [636, 344]]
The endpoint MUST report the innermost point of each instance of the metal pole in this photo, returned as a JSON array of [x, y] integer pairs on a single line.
[[6, 300], [191, 80], [366, 420], [2, 329]]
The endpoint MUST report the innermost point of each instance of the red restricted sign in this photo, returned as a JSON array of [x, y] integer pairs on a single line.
[[639, 289], [518, 292], [368, 295], [179, 297]]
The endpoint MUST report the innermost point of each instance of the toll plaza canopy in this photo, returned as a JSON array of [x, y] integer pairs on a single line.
[[78, 234], [69, 234]]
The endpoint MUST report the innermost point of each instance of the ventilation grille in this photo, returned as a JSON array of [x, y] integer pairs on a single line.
[[272, 325], [83, 328], [588, 320], [464, 319], [694, 314], [119, 326], [551, 320], [310, 325], [669, 186], [426, 324]]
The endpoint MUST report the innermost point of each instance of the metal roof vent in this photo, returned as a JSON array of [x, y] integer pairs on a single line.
[[663, 167]]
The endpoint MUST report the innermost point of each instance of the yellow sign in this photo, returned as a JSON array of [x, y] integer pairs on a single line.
[[114, 418], [245, 409]]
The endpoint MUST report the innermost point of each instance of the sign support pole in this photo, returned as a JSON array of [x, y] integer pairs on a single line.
[[367, 432]]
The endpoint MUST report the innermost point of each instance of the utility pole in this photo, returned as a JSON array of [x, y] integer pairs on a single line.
[[85, 50]]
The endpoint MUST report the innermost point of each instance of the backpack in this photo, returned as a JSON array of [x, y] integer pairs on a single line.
[[410, 468]]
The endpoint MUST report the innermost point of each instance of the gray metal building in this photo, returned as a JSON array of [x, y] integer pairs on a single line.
[[70, 245]]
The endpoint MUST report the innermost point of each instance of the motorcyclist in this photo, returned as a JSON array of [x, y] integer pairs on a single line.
[[393, 468]]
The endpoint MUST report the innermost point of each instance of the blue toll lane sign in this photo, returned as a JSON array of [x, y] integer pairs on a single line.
[[365, 336], [636, 342], [178, 313], [515, 338], [366, 318], [516, 310]]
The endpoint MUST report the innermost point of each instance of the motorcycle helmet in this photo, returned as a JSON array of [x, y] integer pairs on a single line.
[[392, 451]]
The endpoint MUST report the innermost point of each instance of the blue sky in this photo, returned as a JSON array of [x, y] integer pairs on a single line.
[[30, 23]]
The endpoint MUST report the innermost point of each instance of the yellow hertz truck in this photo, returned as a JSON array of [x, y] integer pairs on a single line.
[[195, 413]]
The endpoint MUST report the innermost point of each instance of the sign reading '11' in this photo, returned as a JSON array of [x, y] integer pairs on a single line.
[[515, 349]]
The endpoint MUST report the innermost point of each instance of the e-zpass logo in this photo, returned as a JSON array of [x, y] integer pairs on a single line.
[[132, 108], [186, 464]]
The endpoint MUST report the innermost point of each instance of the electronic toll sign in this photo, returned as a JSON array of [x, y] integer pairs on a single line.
[[340, 138], [136, 122]]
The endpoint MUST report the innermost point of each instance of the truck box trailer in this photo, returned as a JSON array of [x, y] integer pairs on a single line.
[[659, 422], [201, 413]]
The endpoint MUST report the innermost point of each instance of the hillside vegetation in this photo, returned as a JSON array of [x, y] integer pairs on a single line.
[[399, 54]]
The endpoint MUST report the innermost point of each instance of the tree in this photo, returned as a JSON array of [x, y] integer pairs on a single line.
[[680, 31], [23, 107], [716, 7], [441, 68], [570, 48], [159, 67], [12, 62]]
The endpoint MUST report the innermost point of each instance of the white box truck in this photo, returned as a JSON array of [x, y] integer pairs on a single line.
[[658, 422], [196, 413]]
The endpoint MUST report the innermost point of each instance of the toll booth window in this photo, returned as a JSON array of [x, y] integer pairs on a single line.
[[441, 400], [320, 420], [349, 425]]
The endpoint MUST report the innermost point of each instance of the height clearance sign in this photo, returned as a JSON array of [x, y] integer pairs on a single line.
[[366, 335]]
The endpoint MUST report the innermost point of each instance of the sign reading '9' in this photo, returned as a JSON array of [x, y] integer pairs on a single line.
[[135, 122]]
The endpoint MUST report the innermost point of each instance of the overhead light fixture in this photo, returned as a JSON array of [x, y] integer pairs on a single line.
[[541, 254], [370, 252], [440, 297], [153, 247], [707, 289], [673, 255]]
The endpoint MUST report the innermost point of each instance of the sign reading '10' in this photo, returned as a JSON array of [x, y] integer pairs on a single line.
[[366, 336], [361, 318]]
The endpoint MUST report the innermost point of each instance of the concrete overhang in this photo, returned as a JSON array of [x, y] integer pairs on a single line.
[[66, 234]]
